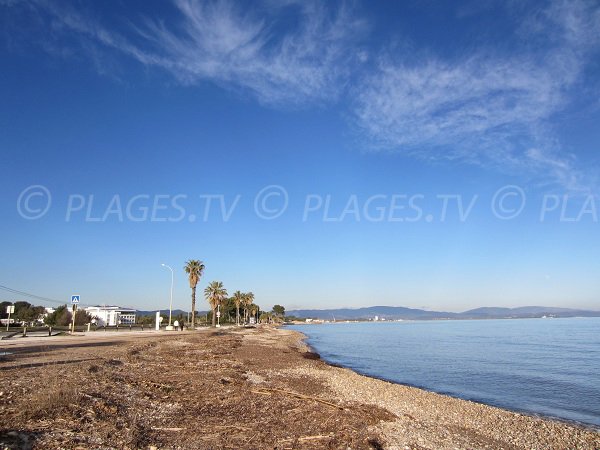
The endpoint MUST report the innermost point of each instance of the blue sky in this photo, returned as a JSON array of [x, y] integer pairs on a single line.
[[366, 117]]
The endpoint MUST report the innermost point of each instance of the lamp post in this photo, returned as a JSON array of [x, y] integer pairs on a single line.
[[169, 327]]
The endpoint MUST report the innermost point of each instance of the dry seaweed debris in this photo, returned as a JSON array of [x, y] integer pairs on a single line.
[[174, 391]]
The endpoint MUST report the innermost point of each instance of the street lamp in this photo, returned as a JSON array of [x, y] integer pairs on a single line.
[[169, 327]]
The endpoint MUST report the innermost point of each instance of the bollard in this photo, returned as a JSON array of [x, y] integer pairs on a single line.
[[49, 331], [24, 331]]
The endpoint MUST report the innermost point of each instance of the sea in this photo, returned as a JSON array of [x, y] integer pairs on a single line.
[[547, 367]]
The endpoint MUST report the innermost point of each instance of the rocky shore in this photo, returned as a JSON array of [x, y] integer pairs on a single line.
[[236, 388]]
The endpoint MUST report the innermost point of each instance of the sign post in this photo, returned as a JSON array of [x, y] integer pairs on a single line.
[[10, 310], [74, 301]]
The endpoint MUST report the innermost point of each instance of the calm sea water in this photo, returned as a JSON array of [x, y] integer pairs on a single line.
[[549, 367]]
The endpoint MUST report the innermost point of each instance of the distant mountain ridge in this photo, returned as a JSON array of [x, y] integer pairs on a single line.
[[400, 312]]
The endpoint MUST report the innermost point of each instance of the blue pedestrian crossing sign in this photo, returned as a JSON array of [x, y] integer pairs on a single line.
[[74, 299]]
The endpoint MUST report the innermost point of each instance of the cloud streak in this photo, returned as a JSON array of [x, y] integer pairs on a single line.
[[216, 42], [482, 109], [285, 64]]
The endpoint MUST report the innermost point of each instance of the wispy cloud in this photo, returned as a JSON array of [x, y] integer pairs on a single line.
[[216, 41], [485, 108], [285, 54]]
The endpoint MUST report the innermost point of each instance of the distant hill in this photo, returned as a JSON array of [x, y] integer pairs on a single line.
[[399, 312], [527, 311], [387, 312]]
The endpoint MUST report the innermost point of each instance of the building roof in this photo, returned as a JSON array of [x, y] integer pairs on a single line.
[[111, 308]]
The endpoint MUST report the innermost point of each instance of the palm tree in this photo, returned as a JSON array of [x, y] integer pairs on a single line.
[[248, 300], [238, 298], [215, 293], [244, 304], [194, 269]]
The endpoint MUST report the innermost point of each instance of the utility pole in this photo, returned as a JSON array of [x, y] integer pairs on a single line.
[[170, 327], [73, 319]]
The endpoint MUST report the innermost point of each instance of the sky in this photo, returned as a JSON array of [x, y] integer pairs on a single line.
[[437, 155]]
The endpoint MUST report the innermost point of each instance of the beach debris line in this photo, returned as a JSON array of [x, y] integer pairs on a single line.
[[271, 391]]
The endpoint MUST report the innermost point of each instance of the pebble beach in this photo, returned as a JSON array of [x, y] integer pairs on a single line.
[[238, 388]]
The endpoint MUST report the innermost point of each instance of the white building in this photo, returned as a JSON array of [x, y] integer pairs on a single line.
[[111, 315]]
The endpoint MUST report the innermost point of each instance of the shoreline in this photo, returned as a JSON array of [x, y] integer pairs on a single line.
[[567, 427], [584, 425], [544, 420], [533, 415], [240, 388]]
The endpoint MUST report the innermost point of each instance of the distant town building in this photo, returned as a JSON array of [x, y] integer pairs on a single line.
[[111, 315]]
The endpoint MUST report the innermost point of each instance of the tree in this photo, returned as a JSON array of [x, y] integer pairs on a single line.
[[238, 299], [265, 317], [82, 317], [3, 313], [25, 312], [61, 317], [279, 310], [248, 300], [215, 293], [146, 320], [194, 269], [228, 310]]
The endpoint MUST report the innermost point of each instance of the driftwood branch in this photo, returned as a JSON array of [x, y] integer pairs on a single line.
[[315, 437], [270, 391]]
